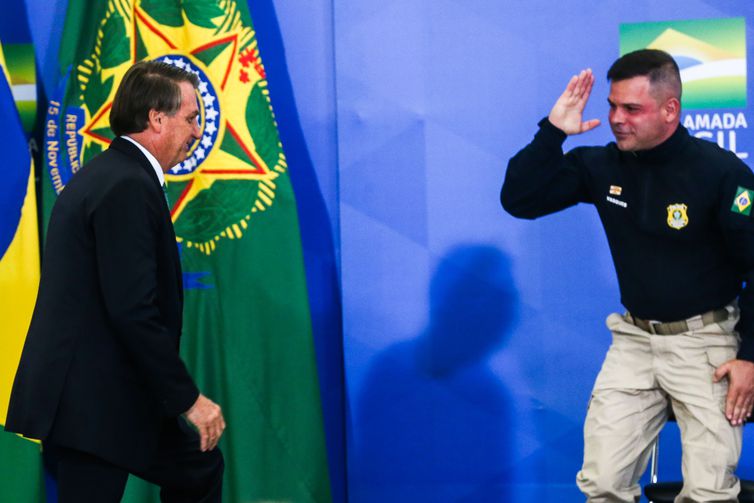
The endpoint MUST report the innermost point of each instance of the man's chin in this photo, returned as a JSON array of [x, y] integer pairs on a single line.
[[625, 145], [179, 159]]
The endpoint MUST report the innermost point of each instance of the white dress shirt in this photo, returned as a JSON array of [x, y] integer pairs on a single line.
[[151, 158]]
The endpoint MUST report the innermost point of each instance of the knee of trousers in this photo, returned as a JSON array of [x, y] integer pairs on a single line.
[[709, 476], [606, 485]]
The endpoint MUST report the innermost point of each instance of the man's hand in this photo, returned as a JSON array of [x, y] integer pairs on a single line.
[[208, 419], [566, 115], [740, 399]]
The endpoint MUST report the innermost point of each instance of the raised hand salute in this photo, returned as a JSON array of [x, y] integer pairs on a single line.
[[567, 113]]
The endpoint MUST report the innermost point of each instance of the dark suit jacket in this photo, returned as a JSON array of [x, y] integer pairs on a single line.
[[100, 370]]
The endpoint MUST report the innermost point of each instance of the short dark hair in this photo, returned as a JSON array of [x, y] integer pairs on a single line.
[[657, 65], [147, 85]]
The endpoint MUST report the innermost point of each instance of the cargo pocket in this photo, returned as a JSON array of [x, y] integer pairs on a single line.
[[716, 356]]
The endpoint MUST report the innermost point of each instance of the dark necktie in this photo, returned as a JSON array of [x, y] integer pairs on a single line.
[[165, 193]]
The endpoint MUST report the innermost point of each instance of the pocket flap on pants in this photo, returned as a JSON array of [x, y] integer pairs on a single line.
[[719, 355]]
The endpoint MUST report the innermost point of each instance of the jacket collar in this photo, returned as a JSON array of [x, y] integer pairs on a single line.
[[665, 151], [152, 160], [126, 147]]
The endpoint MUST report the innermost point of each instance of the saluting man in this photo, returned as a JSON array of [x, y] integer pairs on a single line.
[[676, 212]]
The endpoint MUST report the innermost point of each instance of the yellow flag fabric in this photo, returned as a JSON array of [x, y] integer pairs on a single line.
[[19, 261], [19, 278]]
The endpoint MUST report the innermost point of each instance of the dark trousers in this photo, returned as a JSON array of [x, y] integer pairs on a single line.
[[183, 473]]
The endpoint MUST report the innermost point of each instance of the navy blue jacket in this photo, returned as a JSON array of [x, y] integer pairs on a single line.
[[677, 217]]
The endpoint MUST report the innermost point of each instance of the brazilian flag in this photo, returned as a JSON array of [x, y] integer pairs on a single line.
[[247, 329], [20, 459]]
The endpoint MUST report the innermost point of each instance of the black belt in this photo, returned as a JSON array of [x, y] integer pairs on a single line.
[[678, 327]]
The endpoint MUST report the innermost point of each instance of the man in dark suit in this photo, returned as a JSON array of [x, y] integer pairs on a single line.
[[100, 380]]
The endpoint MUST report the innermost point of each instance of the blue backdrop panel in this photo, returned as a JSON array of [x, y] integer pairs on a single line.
[[472, 339]]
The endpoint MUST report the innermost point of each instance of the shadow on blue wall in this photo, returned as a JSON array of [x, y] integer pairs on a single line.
[[433, 421]]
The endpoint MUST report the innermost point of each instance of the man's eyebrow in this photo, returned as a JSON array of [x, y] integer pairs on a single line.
[[629, 104]]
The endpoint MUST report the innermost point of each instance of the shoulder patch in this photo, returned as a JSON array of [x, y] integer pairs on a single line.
[[742, 201]]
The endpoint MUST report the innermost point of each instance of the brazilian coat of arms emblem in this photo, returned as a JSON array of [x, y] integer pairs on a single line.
[[230, 172]]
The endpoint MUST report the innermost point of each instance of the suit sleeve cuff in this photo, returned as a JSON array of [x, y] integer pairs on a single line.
[[180, 403]]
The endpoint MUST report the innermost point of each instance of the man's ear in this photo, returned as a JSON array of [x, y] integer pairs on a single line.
[[155, 120], [672, 109]]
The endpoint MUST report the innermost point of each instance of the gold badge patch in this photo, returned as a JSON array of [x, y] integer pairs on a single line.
[[677, 217]]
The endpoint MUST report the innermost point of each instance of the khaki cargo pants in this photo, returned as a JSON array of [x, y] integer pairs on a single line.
[[642, 374]]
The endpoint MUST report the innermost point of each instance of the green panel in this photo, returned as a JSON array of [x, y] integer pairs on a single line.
[[93, 149], [202, 12], [212, 211], [140, 491], [262, 126], [167, 12], [27, 110], [20, 61], [141, 50], [248, 343], [231, 146], [21, 468], [207, 56]]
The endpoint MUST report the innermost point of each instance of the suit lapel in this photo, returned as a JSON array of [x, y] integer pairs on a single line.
[[126, 147]]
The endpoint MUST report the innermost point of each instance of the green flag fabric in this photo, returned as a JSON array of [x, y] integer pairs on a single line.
[[247, 335]]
